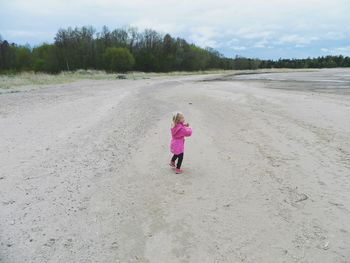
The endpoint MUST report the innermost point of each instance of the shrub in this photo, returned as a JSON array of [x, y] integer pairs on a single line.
[[118, 59]]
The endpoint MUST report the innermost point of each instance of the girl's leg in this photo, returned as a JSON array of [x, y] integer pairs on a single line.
[[174, 158], [179, 161]]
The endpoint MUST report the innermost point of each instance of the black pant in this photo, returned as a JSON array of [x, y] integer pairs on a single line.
[[179, 161]]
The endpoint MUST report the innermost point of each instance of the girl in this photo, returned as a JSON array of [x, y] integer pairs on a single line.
[[179, 130]]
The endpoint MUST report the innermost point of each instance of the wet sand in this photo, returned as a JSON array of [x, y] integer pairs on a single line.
[[321, 80]]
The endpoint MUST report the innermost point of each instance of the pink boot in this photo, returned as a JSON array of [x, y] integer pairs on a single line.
[[172, 164], [178, 171]]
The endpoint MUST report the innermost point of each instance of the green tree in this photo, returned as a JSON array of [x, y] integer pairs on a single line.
[[196, 58], [45, 59], [19, 57], [118, 59], [115, 50]]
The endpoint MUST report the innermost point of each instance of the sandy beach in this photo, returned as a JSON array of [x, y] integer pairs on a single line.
[[84, 174]]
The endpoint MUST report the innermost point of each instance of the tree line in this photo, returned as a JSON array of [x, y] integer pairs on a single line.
[[121, 50]]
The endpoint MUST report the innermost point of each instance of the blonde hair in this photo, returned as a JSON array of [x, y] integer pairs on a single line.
[[177, 117]]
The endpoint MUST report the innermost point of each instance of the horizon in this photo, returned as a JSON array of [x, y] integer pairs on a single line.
[[289, 30]]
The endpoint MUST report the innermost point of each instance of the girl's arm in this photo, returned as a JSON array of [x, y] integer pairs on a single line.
[[187, 131]]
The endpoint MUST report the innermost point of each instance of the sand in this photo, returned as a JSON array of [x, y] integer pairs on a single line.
[[84, 171]]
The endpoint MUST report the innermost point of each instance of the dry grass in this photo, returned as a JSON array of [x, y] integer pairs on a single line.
[[30, 80]]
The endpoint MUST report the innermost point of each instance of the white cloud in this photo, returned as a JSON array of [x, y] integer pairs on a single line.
[[156, 25], [22, 33], [253, 33], [261, 44], [204, 37], [334, 35], [296, 40], [344, 50], [238, 48], [223, 24]]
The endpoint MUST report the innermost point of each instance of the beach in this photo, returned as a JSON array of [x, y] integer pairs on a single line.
[[85, 177]]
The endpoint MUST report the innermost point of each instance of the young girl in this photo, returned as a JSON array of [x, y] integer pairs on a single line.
[[179, 130]]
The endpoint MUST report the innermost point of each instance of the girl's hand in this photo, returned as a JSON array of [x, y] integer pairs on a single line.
[[187, 124]]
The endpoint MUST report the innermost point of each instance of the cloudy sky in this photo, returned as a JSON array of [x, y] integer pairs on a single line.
[[252, 28]]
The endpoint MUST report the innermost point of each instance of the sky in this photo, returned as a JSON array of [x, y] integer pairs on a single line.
[[266, 29]]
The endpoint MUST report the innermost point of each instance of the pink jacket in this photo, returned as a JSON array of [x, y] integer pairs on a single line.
[[178, 134]]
